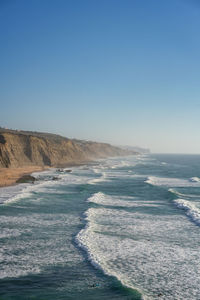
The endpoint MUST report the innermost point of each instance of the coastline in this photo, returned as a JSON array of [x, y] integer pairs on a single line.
[[25, 152], [9, 176]]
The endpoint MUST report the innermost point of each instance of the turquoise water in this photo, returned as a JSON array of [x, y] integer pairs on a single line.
[[123, 228]]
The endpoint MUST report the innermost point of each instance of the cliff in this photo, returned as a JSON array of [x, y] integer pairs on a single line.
[[21, 149]]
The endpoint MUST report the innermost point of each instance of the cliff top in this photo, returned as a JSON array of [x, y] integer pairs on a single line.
[[56, 138]]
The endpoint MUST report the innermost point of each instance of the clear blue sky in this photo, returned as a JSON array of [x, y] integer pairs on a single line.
[[119, 71]]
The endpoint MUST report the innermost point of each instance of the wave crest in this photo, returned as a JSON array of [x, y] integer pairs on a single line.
[[173, 182], [192, 211]]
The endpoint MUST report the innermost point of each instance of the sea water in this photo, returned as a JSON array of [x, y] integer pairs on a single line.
[[120, 228]]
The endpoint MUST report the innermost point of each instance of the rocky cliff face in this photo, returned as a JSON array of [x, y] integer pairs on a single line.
[[19, 149]]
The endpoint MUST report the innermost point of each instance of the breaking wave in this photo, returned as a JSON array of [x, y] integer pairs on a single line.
[[100, 248], [176, 193], [119, 201], [192, 211], [101, 178], [173, 182]]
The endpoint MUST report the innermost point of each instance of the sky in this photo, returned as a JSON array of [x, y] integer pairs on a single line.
[[125, 72]]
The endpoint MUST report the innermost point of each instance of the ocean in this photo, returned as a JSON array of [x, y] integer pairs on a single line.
[[119, 228]]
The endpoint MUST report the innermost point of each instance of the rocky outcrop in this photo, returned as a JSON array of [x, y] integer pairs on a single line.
[[26, 179], [20, 148]]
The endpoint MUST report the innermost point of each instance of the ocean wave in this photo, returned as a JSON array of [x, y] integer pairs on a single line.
[[31, 255], [192, 211], [96, 171], [110, 243], [122, 164], [117, 163], [25, 192], [95, 243], [102, 178], [119, 201], [9, 192], [176, 193], [28, 189], [101, 198], [195, 179], [172, 182]]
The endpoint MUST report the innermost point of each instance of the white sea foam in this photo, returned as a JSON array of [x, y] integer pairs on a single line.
[[44, 173], [175, 192], [102, 178], [130, 175], [26, 191], [30, 254], [91, 240], [108, 175], [122, 164], [195, 179], [45, 184], [172, 182], [192, 211], [9, 192], [96, 171], [119, 201], [101, 198], [117, 163], [13, 194], [144, 251]]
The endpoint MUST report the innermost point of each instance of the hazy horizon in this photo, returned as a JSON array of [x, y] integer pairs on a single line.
[[121, 72]]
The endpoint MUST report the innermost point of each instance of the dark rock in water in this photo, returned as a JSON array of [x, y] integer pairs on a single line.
[[160, 294], [26, 179], [55, 178], [60, 170], [63, 171]]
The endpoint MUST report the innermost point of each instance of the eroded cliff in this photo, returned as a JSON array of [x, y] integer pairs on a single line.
[[20, 148]]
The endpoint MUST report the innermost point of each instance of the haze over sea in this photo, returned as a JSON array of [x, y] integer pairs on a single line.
[[121, 228]]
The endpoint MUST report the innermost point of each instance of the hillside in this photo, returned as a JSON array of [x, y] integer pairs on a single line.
[[136, 149], [24, 148]]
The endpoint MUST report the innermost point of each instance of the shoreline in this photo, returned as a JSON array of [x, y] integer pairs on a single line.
[[9, 176]]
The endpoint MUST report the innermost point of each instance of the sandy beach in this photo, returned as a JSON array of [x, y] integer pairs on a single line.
[[8, 176]]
